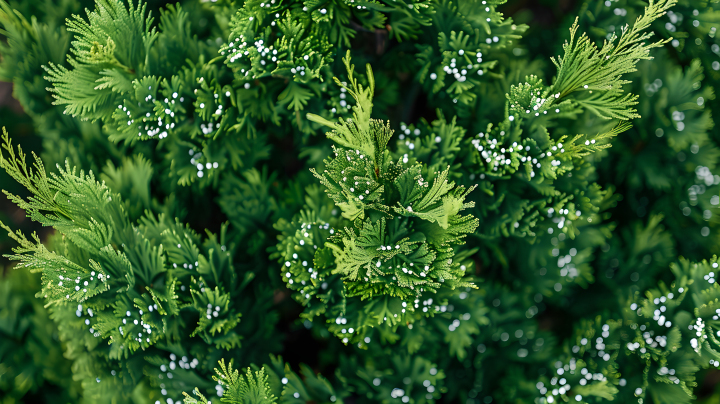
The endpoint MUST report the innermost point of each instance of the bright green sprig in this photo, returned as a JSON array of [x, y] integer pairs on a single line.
[[584, 67], [401, 228], [251, 388], [108, 51]]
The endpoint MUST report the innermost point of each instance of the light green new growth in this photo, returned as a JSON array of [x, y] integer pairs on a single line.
[[584, 67], [82, 209], [252, 388], [34, 181], [576, 151], [108, 41], [361, 133], [405, 221], [72, 203]]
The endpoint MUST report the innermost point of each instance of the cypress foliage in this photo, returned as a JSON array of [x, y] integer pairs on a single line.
[[237, 211]]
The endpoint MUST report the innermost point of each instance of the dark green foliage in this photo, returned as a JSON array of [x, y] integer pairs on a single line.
[[31, 359]]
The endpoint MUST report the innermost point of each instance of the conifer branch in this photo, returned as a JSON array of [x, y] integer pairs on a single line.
[[584, 67]]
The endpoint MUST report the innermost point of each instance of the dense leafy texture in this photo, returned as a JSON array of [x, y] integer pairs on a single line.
[[492, 212], [394, 241]]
